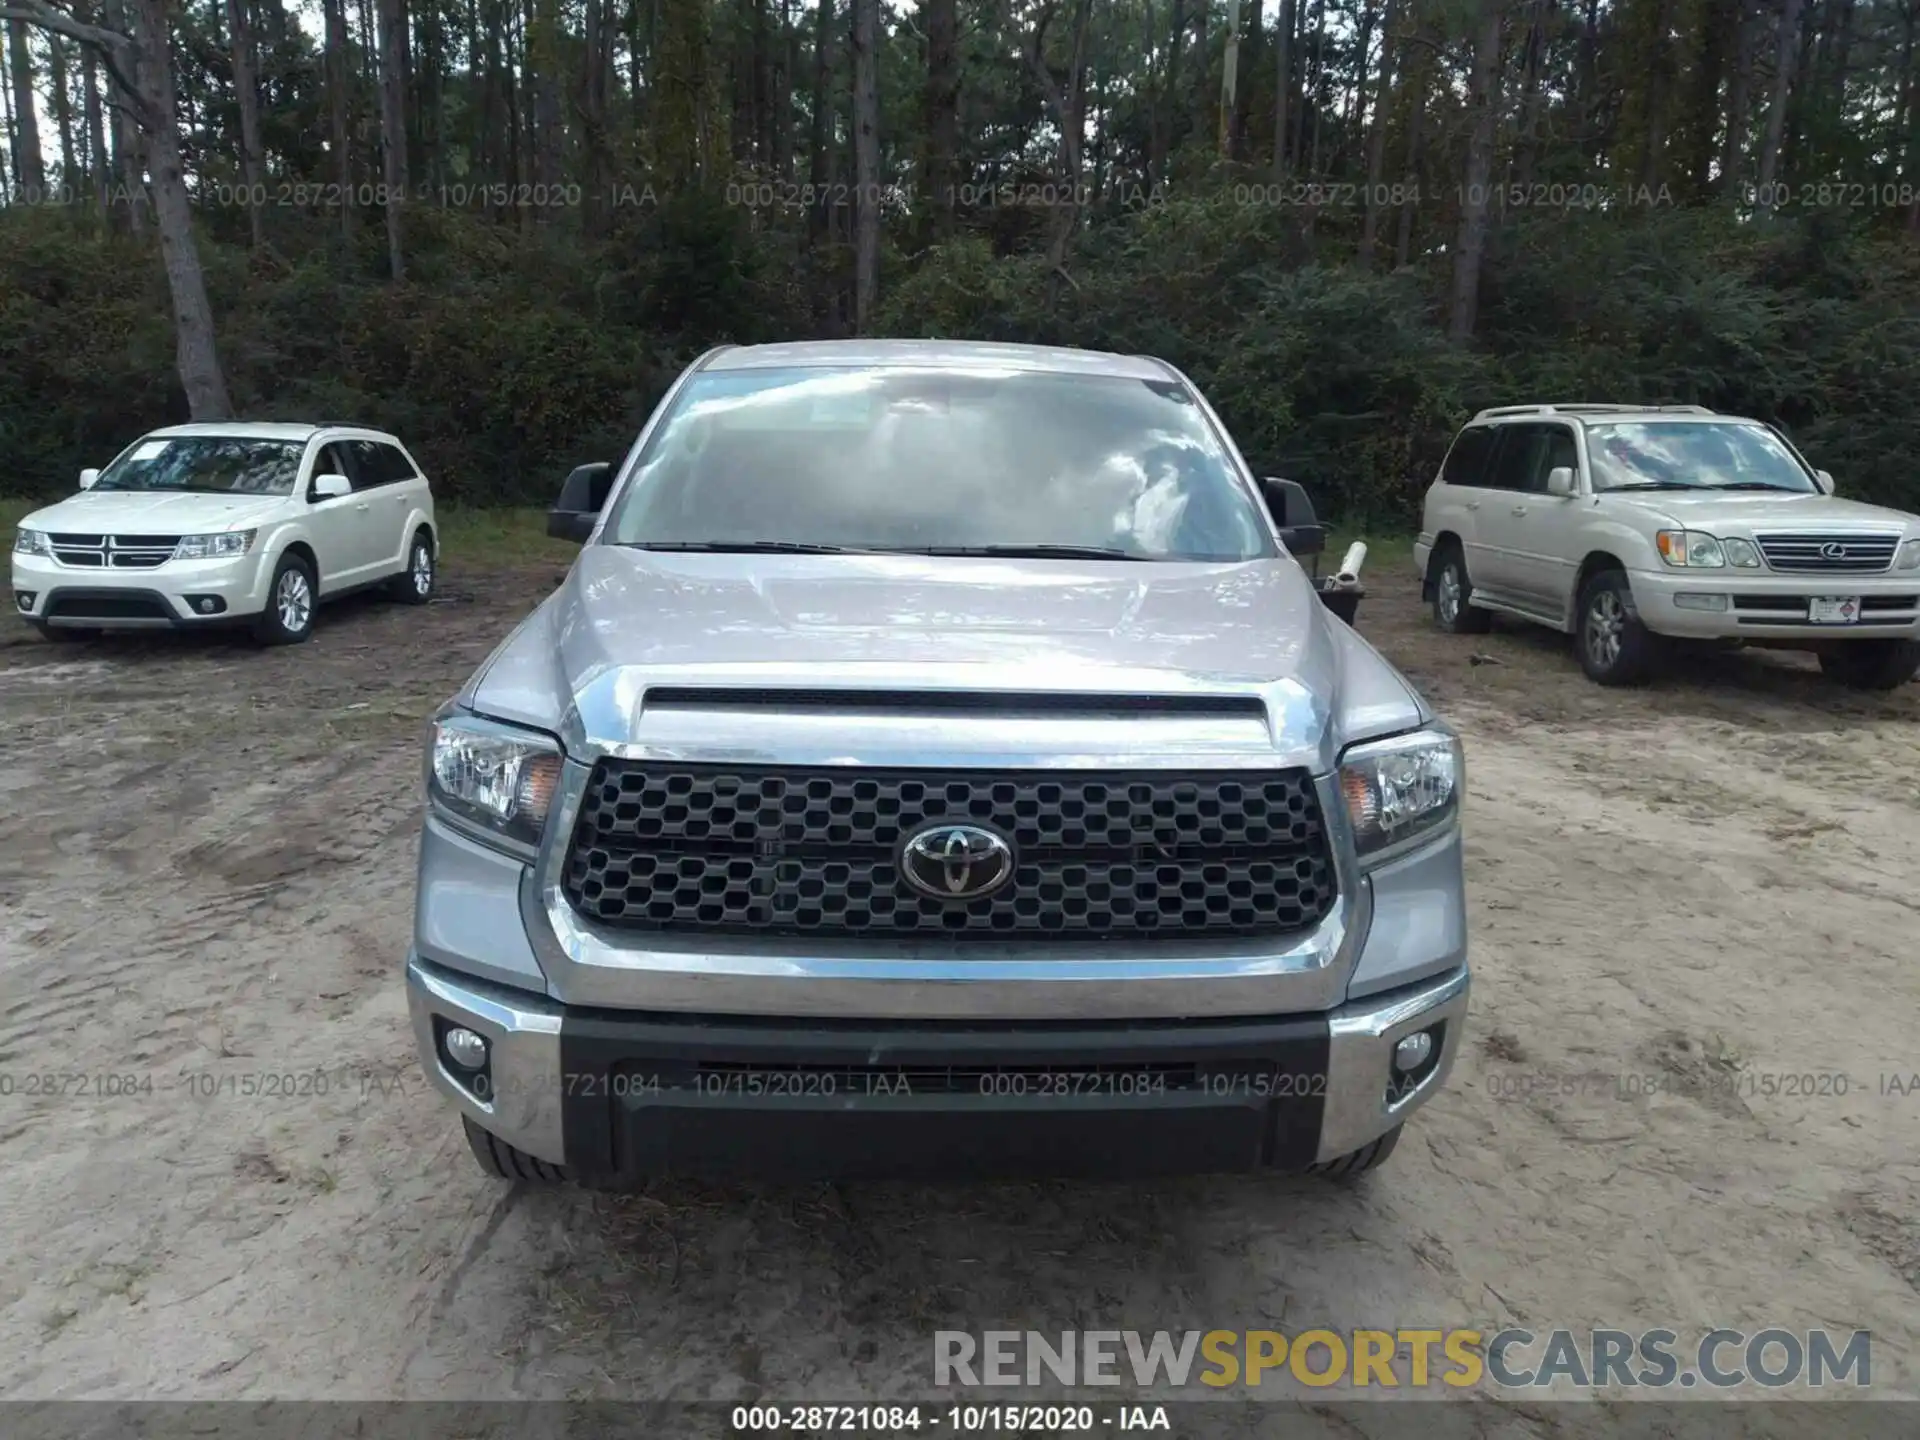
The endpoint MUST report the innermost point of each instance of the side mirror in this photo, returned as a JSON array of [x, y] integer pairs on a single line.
[[331, 487], [1292, 510], [87, 477], [1825, 481], [1560, 480], [582, 497]]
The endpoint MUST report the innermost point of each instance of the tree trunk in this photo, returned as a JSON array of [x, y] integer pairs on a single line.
[[1202, 64], [941, 20], [99, 164], [1282, 49], [1239, 136], [1160, 140], [1733, 144], [1416, 127], [1377, 136], [820, 124], [780, 72], [63, 119], [866, 163], [543, 75], [1527, 151], [248, 92], [340, 109], [1659, 95], [393, 128], [1786, 38], [1351, 120], [1068, 104], [1311, 89], [1229, 79], [29, 170], [1483, 102], [195, 352]]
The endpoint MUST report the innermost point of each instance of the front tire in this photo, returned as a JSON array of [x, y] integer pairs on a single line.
[[414, 585], [1353, 1165], [1453, 609], [292, 599], [1614, 647], [506, 1162], [1872, 664]]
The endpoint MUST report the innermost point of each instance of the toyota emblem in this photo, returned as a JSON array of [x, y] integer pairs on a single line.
[[956, 862], [1833, 552]]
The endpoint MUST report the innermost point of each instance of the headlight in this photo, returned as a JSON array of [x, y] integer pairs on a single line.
[[1741, 553], [494, 776], [1909, 556], [1691, 549], [31, 542], [214, 547], [1402, 788]]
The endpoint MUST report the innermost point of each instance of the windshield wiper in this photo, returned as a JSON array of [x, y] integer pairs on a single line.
[[746, 547], [1759, 485], [1655, 485], [1019, 552]]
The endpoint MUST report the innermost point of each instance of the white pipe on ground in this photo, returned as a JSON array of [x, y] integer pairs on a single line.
[[1348, 575]]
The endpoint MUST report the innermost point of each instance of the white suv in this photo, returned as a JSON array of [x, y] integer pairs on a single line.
[[1629, 527], [211, 524]]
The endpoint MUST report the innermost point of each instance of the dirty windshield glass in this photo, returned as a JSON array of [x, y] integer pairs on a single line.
[[1710, 456], [214, 464], [916, 459]]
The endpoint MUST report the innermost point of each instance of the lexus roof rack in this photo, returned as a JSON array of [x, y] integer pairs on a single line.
[[1583, 407]]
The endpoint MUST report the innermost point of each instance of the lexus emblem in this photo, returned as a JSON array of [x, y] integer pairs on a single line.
[[1834, 552], [956, 862]]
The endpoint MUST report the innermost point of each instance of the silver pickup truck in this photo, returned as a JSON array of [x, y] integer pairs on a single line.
[[936, 763]]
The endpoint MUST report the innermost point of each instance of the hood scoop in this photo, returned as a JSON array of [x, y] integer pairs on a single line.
[[761, 699]]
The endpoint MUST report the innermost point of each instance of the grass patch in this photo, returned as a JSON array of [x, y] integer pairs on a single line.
[[498, 539]]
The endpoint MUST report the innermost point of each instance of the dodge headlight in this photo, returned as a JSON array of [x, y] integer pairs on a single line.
[[1403, 788], [496, 777], [31, 542], [223, 546]]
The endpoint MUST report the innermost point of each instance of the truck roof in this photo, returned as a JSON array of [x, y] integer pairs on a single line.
[[941, 354]]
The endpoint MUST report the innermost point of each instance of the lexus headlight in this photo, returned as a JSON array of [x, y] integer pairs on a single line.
[[493, 776], [1909, 556], [1691, 549], [31, 542], [214, 547], [1402, 788]]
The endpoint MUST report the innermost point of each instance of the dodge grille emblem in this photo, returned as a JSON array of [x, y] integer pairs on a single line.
[[956, 862], [1834, 552]]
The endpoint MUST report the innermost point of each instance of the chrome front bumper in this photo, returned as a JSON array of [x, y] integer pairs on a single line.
[[548, 1101]]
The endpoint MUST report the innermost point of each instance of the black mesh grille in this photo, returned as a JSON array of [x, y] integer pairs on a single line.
[[718, 849]]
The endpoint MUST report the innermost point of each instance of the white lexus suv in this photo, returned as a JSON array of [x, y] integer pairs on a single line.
[[1633, 528], [221, 523]]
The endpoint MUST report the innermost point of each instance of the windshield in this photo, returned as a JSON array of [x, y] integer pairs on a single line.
[[1705, 455], [926, 459], [209, 464]]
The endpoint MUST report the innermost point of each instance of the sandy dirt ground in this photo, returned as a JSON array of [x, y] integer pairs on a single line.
[[1694, 915]]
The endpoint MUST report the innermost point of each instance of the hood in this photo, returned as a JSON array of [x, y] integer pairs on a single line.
[[1758, 511], [160, 512], [626, 621]]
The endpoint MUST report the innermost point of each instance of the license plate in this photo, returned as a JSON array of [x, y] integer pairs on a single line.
[[1833, 609]]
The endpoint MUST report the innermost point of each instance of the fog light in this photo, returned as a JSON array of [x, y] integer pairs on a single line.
[[1689, 601], [206, 604], [24, 599], [465, 1049], [1411, 1053]]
